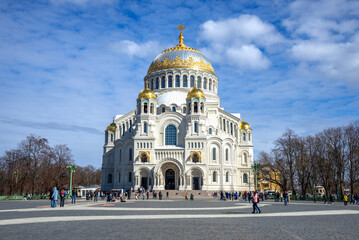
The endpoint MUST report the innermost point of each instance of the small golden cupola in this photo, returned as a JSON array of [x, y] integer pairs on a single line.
[[244, 125], [111, 126], [147, 93], [195, 92]]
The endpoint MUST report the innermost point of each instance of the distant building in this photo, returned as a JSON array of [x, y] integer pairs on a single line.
[[265, 183], [178, 137]]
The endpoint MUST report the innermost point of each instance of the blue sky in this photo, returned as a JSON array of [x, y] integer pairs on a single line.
[[68, 66]]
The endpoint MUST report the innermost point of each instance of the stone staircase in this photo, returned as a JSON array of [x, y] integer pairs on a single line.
[[181, 194]]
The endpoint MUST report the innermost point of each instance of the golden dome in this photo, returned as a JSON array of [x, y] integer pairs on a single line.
[[195, 93], [181, 56], [244, 126], [147, 93], [112, 126]]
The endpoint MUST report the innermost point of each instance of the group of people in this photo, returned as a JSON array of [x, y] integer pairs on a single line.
[[54, 195]]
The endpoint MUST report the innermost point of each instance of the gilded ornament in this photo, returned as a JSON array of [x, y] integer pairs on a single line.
[[112, 126], [198, 155], [181, 63], [147, 93], [244, 125], [146, 153]]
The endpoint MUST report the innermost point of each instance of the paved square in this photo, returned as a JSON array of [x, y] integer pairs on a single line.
[[177, 219]]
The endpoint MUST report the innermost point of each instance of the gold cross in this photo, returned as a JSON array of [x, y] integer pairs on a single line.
[[181, 27]]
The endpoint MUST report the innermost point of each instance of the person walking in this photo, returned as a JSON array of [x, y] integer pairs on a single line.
[[345, 199], [255, 203], [186, 196], [95, 196], [160, 195], [285, 196], [325, 199], [54, 197], [73, 197], [191, 197], [167, 194], [62, 198]]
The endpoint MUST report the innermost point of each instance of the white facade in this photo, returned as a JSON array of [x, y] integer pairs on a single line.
[[177, 141]]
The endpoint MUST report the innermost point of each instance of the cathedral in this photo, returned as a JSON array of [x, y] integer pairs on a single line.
[[178, 137]]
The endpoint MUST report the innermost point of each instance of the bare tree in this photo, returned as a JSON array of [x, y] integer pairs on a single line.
[[35, 151], [351, 134], [284, 151]]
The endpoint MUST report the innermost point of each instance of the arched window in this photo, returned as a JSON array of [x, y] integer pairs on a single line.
[[205, 83], [199, 82], [130, 125], [157, 83], [151, 108], [192, 82], [169, 81], [202, 107], [195, 107], [145, 127], [227, 176], [177, 81], [245, 158], [185, 81], [111, 137], [163, 109], [245, 178], [173, 109], [214, 177], [109, 178], [144, 158], [210, 85], [224, 124], [195, 127], [119, 177], [249, 136], [130, 177], [145, 107], [214, 154], [227, 154], [130, 154], [184, 110], [171, 135], [210, 131], [152, 84], [244, 136], [163, 82], [123, 129]]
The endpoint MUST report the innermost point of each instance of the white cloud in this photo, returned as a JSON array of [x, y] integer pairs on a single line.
[[325, 38], [133, 49], [237, 41], [248, 57]]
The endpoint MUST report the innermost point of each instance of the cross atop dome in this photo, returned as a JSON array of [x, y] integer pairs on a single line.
[[180, 38]]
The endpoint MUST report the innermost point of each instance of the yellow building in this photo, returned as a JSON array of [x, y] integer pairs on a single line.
[[266, 181]]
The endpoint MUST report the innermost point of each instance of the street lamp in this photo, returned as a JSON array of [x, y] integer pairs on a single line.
[[256, 169], [72, 168], [16, 173]]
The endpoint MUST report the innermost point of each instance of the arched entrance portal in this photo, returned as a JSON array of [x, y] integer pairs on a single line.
[[170, 180]]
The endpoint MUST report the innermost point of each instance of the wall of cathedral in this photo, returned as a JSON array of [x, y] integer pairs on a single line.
[[225, 161]]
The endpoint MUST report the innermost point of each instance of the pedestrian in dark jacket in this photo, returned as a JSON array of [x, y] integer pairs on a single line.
[[50, 197], [62, 198]]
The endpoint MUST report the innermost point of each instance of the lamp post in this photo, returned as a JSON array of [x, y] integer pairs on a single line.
[[16, 173], [256, 169], [72, 168]]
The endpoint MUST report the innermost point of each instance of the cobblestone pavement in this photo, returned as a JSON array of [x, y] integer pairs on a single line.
[[177, 219]]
